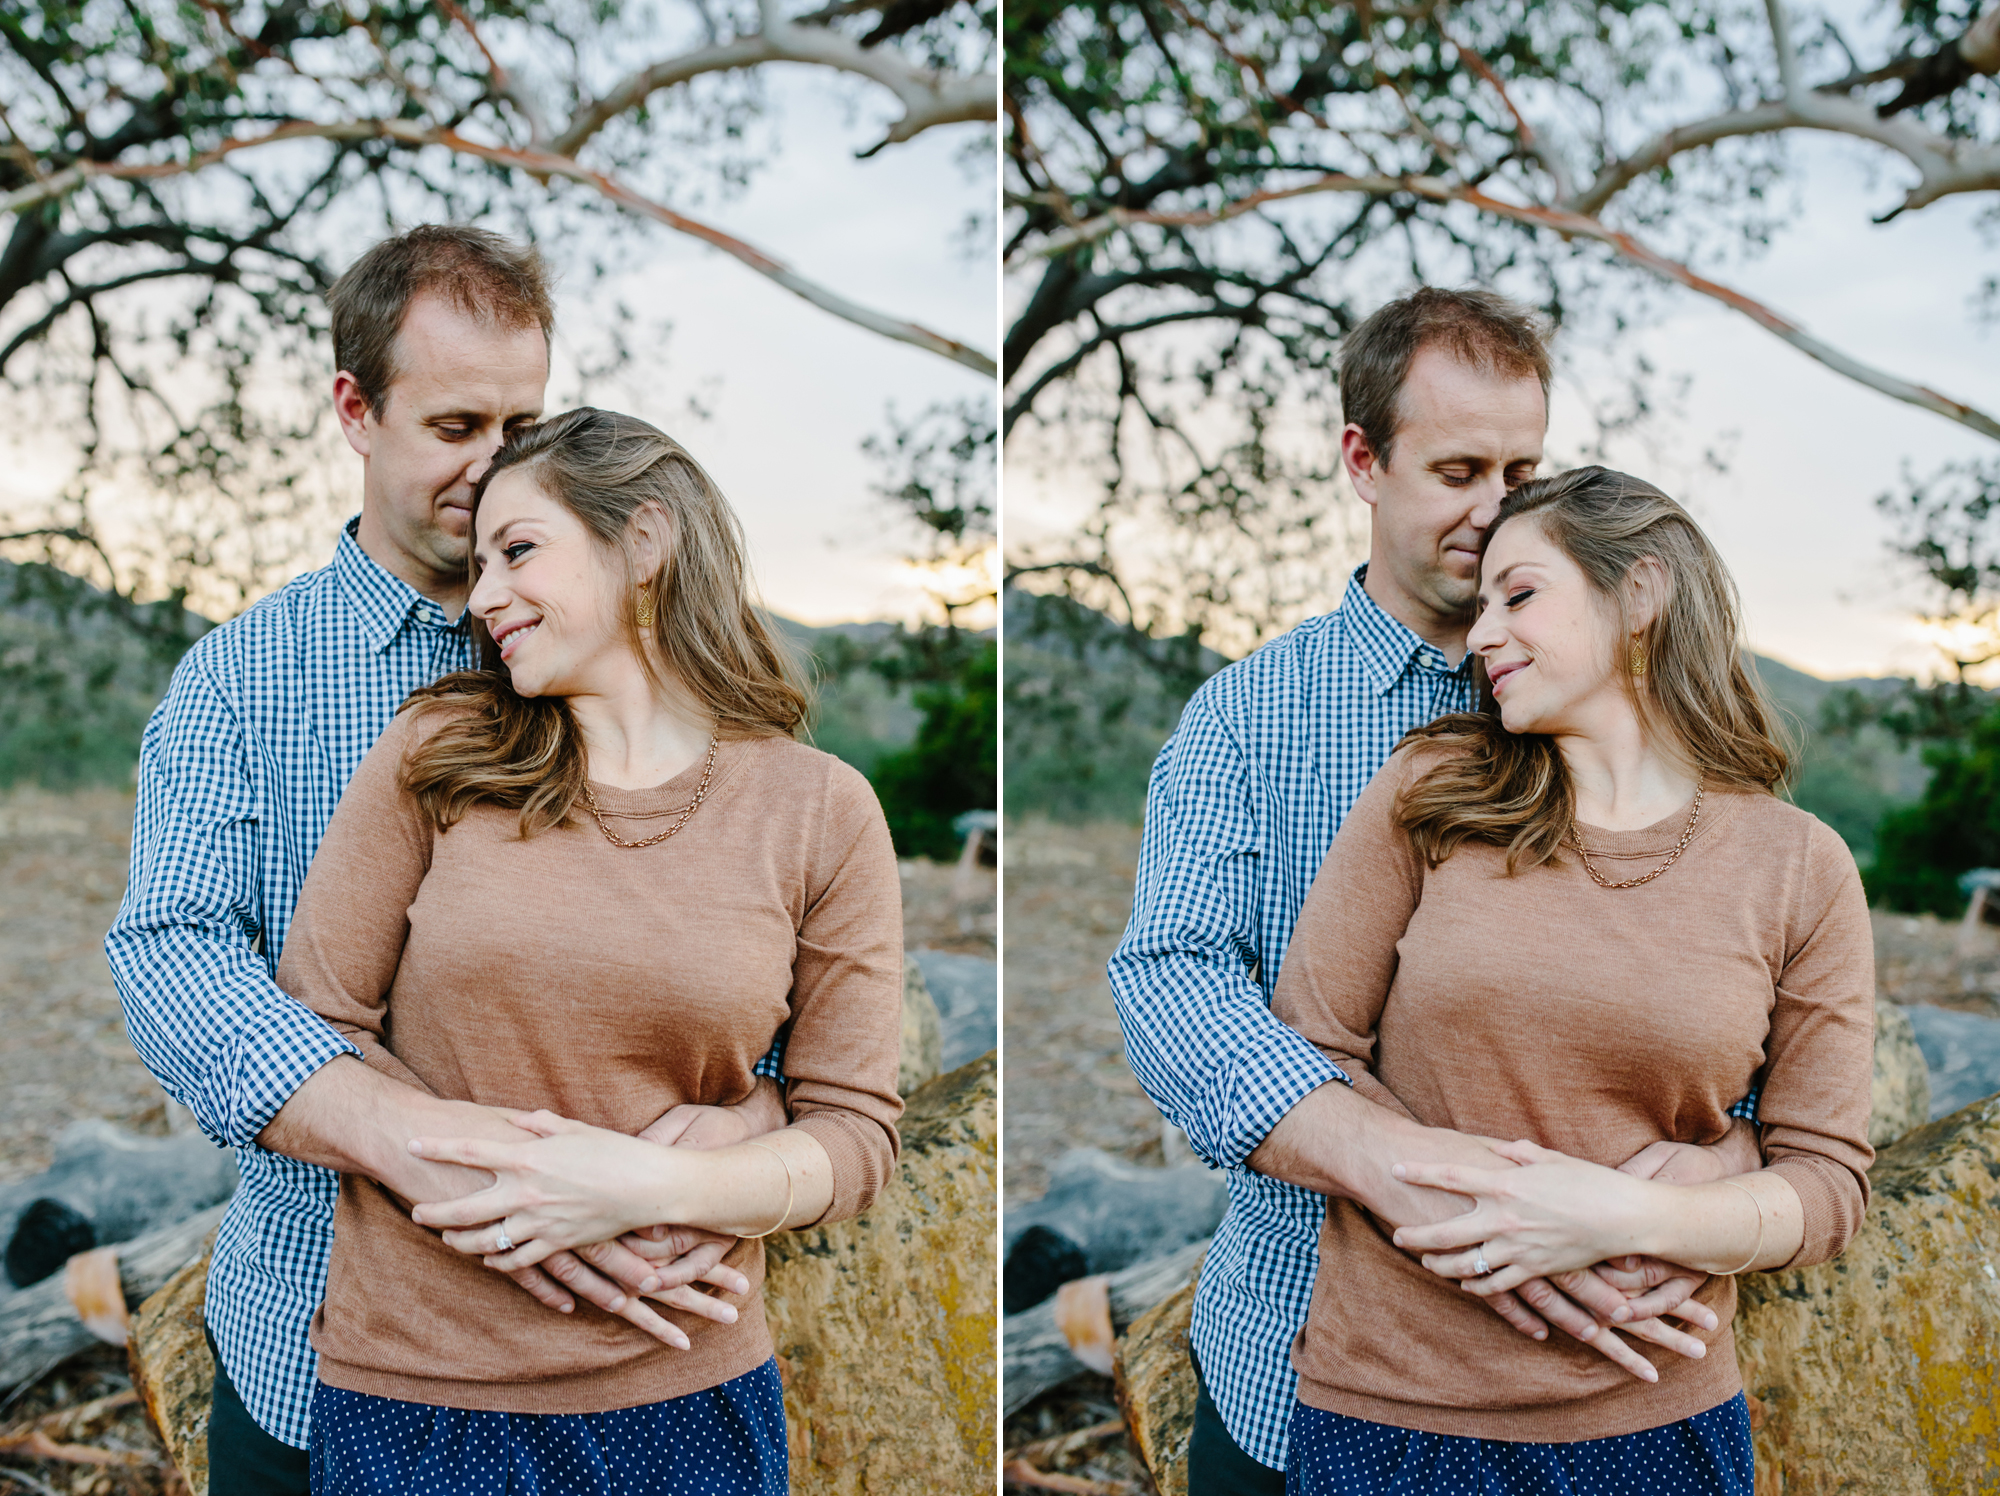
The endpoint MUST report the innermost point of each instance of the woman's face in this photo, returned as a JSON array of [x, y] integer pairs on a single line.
[[547, 593], [1549, 639]]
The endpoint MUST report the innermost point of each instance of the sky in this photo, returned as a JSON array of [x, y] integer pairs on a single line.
[[792, 391], [1794, 515]]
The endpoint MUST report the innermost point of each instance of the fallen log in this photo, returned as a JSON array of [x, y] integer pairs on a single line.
[[1038, 1354], [39, 1326]]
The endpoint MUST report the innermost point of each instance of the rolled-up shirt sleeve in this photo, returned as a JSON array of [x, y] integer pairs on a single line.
[[186, 950], [1199, 1032]]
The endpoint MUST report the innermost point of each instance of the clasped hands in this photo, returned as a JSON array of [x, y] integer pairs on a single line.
[[554, 1205], [1544, 1218]]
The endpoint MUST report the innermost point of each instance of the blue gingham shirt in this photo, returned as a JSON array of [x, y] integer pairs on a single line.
[[1243, 803], [239, 772]]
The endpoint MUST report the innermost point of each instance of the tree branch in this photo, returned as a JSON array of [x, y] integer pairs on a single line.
[[538, 162], [1569, 225], [928, 99]]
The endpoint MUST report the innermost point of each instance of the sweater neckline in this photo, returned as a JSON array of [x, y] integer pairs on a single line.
[[1656, 840], [676, 791]]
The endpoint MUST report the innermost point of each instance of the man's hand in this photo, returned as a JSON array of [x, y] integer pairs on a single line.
[[693, 1126], [1692, 1163]]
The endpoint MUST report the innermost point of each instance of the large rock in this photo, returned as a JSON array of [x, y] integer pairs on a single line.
[[1963, 1053], [884, 1325], [920, 1057], [1877, 1374], [1902, 1090], [1880, 1372], [966, 990]]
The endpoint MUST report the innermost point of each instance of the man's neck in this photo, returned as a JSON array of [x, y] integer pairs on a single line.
[[1446, 634], [448, 592]]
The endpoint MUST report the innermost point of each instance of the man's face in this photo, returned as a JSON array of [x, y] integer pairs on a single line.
[[1467, 436], [461, 385]]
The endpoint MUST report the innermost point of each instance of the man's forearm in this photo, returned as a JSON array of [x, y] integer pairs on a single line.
[[355, 1120], [1337, 1142]]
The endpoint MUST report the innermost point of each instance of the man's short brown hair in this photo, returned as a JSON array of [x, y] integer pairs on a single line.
[[482, 274], [1479, 328]]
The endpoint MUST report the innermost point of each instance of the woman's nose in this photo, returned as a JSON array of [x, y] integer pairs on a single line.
[[488, 596], [1485, 634]]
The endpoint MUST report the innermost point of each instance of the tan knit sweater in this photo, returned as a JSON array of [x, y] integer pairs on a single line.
[[608, 985], [1592, 1021]]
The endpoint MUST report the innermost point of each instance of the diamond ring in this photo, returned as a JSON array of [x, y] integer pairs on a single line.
[[505, 1244], [1479, 1267]]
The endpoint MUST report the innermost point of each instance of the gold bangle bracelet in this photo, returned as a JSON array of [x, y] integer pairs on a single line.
[[792, 1193], [1758, 1205]]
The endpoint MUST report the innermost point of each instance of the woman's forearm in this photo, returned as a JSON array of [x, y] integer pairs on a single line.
[[1747, 1224], [781, 1179]]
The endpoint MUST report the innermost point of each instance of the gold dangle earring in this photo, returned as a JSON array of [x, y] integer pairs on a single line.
[[644, 616], [1638, 659]]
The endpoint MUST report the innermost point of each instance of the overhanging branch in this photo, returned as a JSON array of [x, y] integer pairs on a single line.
[[1570, 225], [539, 162]]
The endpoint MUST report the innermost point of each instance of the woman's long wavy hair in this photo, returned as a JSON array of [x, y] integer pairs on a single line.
[[1699, 700], [708, 639]]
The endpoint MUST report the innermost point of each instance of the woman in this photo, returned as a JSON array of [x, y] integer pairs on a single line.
[[587, 884], [1579, 917]]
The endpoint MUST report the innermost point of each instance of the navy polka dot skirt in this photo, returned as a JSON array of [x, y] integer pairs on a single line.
[[725, 1441], [1706, 1455]]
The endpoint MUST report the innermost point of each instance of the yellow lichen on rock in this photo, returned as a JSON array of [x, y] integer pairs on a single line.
[[885, 1325], [1880, 1371]]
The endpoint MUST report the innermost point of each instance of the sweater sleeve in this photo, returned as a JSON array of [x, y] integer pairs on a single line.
[[1342, 957], [352, 919], [1819, 1064], [847, 996]]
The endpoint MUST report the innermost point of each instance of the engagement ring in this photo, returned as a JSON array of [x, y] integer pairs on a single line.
[[506, 1244], [1479, 1267]]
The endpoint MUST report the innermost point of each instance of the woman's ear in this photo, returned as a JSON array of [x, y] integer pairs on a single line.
[[652, 535], [1647, 588]]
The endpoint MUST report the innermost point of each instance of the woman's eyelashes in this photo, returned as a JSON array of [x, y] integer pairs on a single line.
[[517, 550], [1515, 599]]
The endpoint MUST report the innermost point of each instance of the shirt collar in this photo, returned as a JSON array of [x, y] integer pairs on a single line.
[[1389, 649], [385, 601]]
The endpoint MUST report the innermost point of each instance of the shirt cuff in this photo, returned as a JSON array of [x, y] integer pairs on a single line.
[[1259, 1088], [270, 1062]]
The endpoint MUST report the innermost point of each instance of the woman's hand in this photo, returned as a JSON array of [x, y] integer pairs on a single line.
[[1554, 1214], [572, 1185]]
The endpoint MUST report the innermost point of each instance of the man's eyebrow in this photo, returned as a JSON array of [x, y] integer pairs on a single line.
[[458, 417]]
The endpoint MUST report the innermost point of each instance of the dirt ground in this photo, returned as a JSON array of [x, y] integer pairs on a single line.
[[64, 1056]]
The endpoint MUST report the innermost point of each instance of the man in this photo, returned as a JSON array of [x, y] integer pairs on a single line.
[[441, 339], [1445, 395]]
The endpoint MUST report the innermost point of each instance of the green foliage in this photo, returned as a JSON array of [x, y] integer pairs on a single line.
[[1088, 705], [951, 767], [79, 675], [1922, 849]]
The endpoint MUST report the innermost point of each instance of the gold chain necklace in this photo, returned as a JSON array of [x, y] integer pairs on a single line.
[[700, 794], [1576, 840]]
